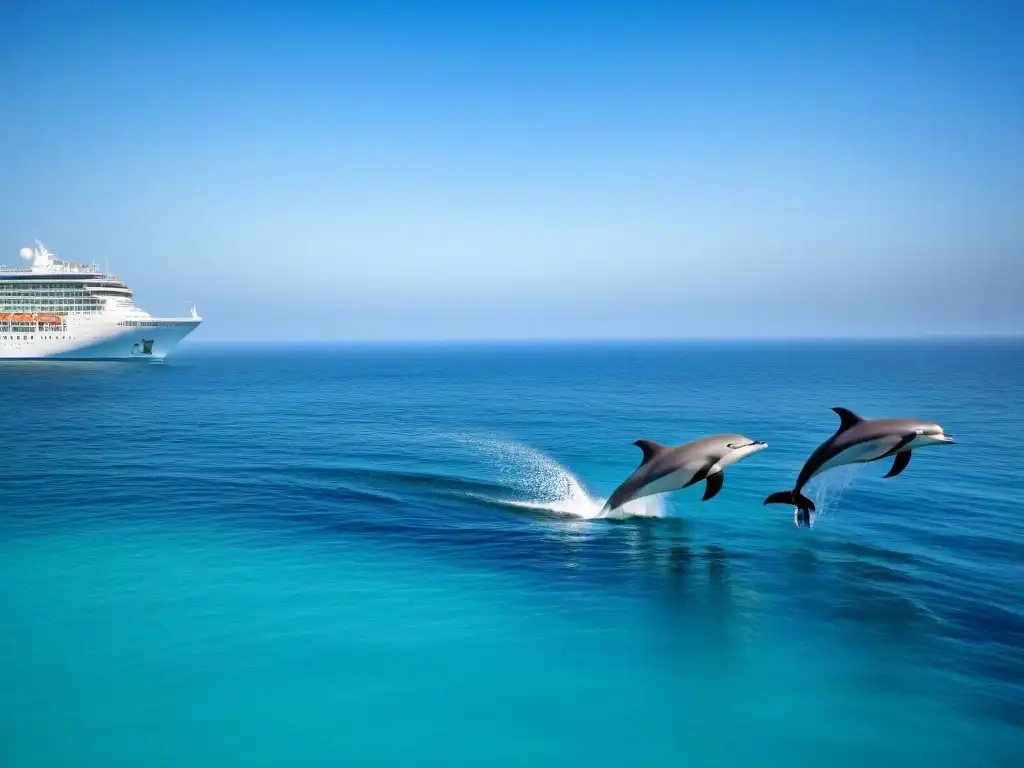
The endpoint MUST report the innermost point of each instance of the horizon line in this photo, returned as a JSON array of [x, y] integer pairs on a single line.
[[497, 340]]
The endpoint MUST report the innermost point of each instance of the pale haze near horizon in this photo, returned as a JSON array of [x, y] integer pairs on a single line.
[[308, 173]]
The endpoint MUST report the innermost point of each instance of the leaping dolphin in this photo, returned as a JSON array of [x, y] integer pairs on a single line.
[[858, 441], [665, 469]]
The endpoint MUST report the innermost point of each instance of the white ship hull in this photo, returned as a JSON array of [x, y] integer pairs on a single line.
[[62, 310], [151, 340]]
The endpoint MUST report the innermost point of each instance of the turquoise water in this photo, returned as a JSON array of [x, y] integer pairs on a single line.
[[382, 555]]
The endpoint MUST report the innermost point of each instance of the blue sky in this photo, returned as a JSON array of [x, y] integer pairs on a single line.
[[443, 170]]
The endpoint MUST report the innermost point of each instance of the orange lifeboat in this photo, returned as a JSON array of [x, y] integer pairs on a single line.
[[22, 317], [42, 317], [5, 316]]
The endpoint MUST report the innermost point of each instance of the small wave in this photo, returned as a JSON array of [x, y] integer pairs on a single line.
[[543, 485]]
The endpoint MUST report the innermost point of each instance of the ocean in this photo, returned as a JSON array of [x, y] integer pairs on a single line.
[[387, 555]]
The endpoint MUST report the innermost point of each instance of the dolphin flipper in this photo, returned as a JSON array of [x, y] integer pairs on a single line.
[[902, 459], [714, 485]]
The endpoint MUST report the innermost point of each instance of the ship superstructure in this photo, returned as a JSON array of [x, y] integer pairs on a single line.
[[55, 309]]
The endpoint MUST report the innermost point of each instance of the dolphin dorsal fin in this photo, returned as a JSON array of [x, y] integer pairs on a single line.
[[650, 449], [847, 418]]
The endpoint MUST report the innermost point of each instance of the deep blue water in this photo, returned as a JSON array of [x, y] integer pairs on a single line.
[[352, 556]]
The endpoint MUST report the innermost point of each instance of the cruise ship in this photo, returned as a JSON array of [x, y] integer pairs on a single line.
[[60, 310]]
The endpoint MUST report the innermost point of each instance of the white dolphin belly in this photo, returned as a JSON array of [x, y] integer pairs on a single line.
[[861, 452], [670, 482]]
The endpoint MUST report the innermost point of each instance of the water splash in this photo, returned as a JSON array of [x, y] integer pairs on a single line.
[[543, 485], [828, 488]]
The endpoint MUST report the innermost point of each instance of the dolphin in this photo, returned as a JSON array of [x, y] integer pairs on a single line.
[[857, 441], [665, 469]]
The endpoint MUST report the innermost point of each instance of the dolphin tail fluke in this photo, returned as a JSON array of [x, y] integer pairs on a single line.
[[793, 498]]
